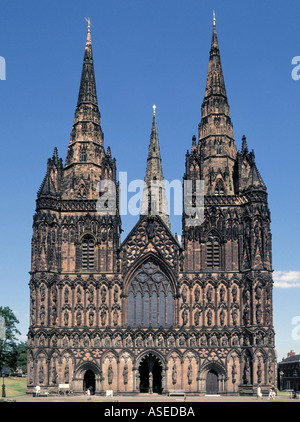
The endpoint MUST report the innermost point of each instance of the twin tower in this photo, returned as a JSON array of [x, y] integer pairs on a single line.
[[150, 314]]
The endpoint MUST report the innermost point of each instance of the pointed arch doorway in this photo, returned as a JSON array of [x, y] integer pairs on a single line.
[[89, 381], [212, 382], [150, 373]]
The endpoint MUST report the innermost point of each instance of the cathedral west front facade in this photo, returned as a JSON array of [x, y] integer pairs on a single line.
[[150, 314]]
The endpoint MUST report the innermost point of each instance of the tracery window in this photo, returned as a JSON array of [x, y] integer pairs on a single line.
[[219, 190], [213, 253], [150, 297], [88, 253]]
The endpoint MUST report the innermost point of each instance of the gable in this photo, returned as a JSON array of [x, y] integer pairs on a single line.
[[150, 234]]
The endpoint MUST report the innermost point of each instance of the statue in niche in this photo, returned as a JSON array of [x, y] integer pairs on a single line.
[[222, 317], [139, 341], [65, 341], [91, 318], [66, 295], [234, 314], [42, 314], [54, 315], [209, 317], [103, 316], [78, 295], [235, 340], [103, 294], [41, 374], [115, 317], [197, 317], [258, 293], [193, 341], [222, 294], [184, 317], [86, 341], [233, 372], [54, 374], [258, 313], [160, 341], [197, 294], [184, 294], [78, 317], [174, 374], [150, 340], [259, 371], [66, 317], [203, 341], [91, 294], [54, 293], [97, 341], [110, 374], [181, 340], [118, 341], [171, 340], [43, 292], [116, 291], [270, 373], [128, 341], [107, 341], [224, 341], [209, 294], [246, 314], [125, 374], [214, 340], [67, 374], [234, 293], [246, 375], [190, 373]]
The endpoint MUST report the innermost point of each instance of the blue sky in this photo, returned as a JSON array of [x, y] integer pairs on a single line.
[[148, 52]]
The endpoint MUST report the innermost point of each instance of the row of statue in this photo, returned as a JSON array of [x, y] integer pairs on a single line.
[[181, 340]]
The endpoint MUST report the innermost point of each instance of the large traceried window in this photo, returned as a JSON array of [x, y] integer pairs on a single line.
[[150, 297], [88, 253]]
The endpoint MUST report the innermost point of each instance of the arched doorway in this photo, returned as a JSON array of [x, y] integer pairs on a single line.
[[89, 381], [150, 372], [212, 382]]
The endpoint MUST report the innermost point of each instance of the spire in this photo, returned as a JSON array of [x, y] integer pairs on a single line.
[[86, 127], [87, 91], [216, 141], [154, 200]]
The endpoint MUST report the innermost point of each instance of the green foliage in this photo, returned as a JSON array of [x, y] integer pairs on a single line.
[[8, 344]]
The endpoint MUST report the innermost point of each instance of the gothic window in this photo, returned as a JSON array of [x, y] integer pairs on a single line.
[[83, 156], [219, 190], [213, 253], [150, 297], [88, 253]]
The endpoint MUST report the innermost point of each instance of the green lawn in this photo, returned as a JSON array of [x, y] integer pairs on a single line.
[[14, 386]]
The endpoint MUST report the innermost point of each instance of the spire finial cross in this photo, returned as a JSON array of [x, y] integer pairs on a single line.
[[154, 109], [214, 18], [89, 23]]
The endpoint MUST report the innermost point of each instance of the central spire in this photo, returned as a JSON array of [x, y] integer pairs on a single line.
[[154, 200], [216, 141]]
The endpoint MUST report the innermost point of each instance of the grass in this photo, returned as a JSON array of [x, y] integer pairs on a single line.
[[14, 386]]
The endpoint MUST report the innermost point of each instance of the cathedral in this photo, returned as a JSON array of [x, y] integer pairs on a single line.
[[152, 314]]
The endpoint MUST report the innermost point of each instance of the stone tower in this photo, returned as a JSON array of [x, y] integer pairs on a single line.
[[150, 314]]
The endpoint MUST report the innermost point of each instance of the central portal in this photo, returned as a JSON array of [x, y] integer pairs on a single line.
[[150, 371]]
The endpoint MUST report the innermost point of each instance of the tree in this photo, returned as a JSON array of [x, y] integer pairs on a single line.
[[8, 345]]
